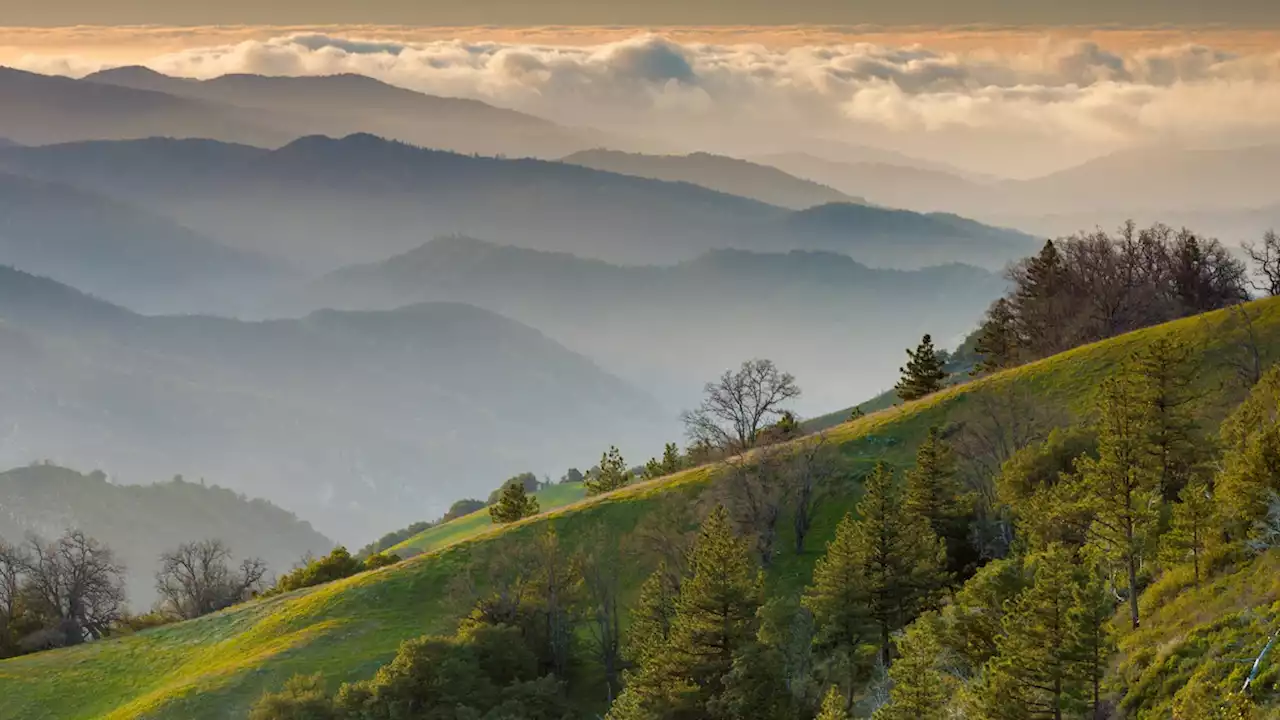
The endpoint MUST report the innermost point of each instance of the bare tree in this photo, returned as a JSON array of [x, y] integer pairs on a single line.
[[13, 563], [196, 579], [1266, 263], [77, 584], [600, 574], [739, 405], [754, 491], [812, 463]]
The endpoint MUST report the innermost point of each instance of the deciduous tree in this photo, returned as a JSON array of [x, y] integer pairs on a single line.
[[739, 405]]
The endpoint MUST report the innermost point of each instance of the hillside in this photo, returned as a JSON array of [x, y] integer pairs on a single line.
[[216, 666], [121, 253], [304, 202], [140, 521], [339, 105], [357, 421], [795, 308], [717, 172]]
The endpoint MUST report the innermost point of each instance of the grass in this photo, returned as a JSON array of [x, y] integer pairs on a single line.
[[215, 667], [549, 498]]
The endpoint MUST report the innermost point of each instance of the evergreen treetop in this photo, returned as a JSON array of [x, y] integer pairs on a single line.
[[923, 374]]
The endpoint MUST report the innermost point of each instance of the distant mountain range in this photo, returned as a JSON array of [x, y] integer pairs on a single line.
[[320, 203], [838, 325], [139, 522], [358, 421], [135, 102], [717, 172], [1232, 193], [122, 253]]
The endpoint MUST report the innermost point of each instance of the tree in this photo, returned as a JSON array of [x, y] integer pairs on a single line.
[[651, 619], [739, 405], [1167, 368], [1250, 467], [1040, 301], [833, 706], [75, 583], [839, 602], [302, 698], [600, 574], [1121, 485], [1191, 526], [998, 343], [527, 480], [1266, 263], [1049, 650], [196, 579], [336, 565], [924, 373], [933, 492], [460, 508], [612, 474], [670, 463], [572, 476], [811, 463], [921, 690], [901, 560], [514, 504], [714, 622], [13, 563], [754, 493]]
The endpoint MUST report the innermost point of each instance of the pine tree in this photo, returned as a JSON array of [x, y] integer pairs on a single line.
[[933, 492], [1250, 472], [611, 475], [714, 623], [923, 374], [838, 602], [1166, 368], [1090, 644], [1191, 527], [513, 504], [670, 463], [1041, 304], [651, 619], [920, 691], [1037, 669], [1121, 485], [998, 344], [833, 706]]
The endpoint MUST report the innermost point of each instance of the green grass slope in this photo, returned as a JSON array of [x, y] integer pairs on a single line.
[[215, 667], [468, 526]]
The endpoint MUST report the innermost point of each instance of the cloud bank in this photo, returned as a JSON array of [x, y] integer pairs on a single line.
[[1013, 110]]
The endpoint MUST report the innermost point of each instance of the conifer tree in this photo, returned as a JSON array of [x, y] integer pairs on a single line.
[[1250, 472], [833, 706], [934, 493], [1191, 526], [1090, 644], [1166, 368], [714, 623], [1038, 669], [920, 691], [1041, 302], [839, 604], [513, 504], [1121, 485], [998, 344], [651, 619], [611, 475], [668, 465], [923, 374]]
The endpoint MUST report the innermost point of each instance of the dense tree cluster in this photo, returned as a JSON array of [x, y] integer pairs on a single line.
[[59, 593], [336, 565], [1094, 286]]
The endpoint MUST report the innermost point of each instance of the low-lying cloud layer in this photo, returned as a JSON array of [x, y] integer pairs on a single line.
[[1004, 108]]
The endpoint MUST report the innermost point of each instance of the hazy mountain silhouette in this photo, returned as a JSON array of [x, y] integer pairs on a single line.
[[718, 172], [358, 421], [41, 109], [339, 105], [322, 203], [838, 325], [883, 183], [124, 254]]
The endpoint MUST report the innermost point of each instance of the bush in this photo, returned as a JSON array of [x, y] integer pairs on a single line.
[[303, 698]]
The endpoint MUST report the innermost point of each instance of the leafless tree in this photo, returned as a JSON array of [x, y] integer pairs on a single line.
[[196, 579], [77, 584], [812, 463], [1248, 354], [13, 562], [739, 405], [754, 490], [600, 575], [1266, 263]]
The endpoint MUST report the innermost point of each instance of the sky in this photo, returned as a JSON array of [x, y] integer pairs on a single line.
[[1251, 13]]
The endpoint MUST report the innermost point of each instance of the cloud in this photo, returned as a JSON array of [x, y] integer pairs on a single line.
[[1020, 108]]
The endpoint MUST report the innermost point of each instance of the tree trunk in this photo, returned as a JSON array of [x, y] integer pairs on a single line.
[[1133, 589]]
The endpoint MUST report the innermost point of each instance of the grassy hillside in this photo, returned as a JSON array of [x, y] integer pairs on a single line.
[[469, 526], [216, 666]]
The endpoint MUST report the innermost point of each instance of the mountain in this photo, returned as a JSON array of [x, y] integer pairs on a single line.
[[217, 666], [139, 522], [305, 203], [883, 183], [717, 172], [357, 421], [122, 253], [804, 310], [43, 109], [339, 105]]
